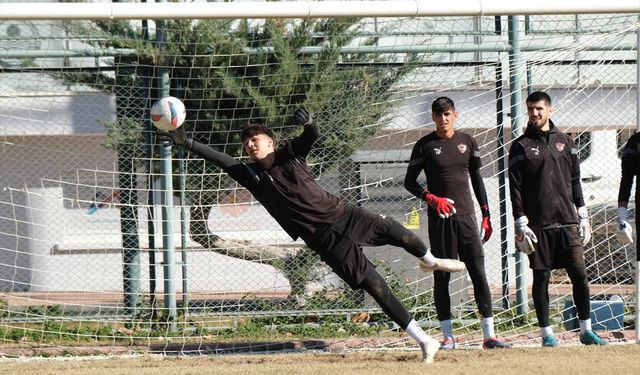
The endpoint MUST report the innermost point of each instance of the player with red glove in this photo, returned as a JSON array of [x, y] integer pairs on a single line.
[[449, 158]]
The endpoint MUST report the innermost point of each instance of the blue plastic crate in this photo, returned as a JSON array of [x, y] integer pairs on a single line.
[[605, 315]]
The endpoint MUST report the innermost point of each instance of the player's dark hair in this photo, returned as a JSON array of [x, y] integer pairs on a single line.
[[537, 96], [442, 104], [251, 130]]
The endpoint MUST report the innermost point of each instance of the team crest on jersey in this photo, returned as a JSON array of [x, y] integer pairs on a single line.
[[462, 148], [560, 146]]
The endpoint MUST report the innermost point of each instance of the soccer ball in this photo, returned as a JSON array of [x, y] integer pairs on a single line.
[[168, 113]]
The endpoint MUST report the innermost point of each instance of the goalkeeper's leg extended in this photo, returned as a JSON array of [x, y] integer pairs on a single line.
[[375, 285], [402, 237]]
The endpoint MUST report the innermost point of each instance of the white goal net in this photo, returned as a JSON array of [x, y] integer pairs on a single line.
[[86, 251]]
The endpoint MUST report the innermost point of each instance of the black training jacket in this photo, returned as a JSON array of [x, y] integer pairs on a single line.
[[544, 177], [287, 189], [630, 169], [447, 164]]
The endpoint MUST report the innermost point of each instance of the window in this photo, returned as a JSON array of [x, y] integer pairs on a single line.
[[623, 137], [583, 142]]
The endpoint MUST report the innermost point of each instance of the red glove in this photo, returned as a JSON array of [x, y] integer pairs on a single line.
[[485, 228], [443, 206]]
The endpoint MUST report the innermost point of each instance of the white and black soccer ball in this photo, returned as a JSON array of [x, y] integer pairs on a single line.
[[168, 113]]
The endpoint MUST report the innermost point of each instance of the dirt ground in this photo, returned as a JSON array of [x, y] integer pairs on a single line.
[[612, 359]]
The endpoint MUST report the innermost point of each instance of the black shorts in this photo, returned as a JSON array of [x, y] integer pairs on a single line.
[[340, 245], [557, 248], [457, 237]]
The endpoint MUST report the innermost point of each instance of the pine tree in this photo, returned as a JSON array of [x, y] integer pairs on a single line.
[[230, 72]]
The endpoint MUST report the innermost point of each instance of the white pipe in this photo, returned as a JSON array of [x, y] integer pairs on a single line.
[[308, 9]]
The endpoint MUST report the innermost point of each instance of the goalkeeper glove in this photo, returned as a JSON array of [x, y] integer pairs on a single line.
[[177, 137], [584, 226], [624, 231], [525, 238], [443, 206], [301, 116], [485, 228]]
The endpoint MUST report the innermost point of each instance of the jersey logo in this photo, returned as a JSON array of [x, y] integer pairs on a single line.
[[536, 151], [462, 148], [560, 146], [437, 150]]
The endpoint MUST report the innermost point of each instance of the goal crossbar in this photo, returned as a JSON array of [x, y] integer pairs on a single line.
[[307, 9]]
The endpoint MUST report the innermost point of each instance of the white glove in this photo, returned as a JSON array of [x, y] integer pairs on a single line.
[[584, 226], [624, 231], [525, 238]]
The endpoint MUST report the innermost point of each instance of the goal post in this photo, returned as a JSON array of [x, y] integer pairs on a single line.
[[304, 9], [76, 84]]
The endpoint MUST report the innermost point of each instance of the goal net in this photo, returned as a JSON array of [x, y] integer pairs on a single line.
[[103, 236]]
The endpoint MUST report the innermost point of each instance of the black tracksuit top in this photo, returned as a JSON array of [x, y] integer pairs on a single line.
[[287, 190], [630, 169], [448, 164], [544, 177]]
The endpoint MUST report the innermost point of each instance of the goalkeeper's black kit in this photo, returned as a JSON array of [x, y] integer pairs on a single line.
[[335, 229], [448, 164], [631, 169], [287, 190]]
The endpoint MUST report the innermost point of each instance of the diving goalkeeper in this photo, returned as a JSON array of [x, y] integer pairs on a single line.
[[281, 181]]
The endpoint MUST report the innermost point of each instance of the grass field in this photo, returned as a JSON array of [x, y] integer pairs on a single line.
[[609, 360]]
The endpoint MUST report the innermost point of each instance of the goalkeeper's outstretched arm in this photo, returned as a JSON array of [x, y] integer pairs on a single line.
[[233, 167]]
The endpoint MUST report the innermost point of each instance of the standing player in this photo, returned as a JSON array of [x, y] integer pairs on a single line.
[[335, 229], [448, 158], [551, 220], [630, 169]]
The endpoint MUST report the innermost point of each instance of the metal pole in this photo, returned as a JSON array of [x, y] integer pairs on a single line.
[[515, 80], [502, 177], [493, 47], [167, 198], [183, 218], [129, 229], [183, 233], [151, 235], [150, 214], [502, 190], [637, 321]]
